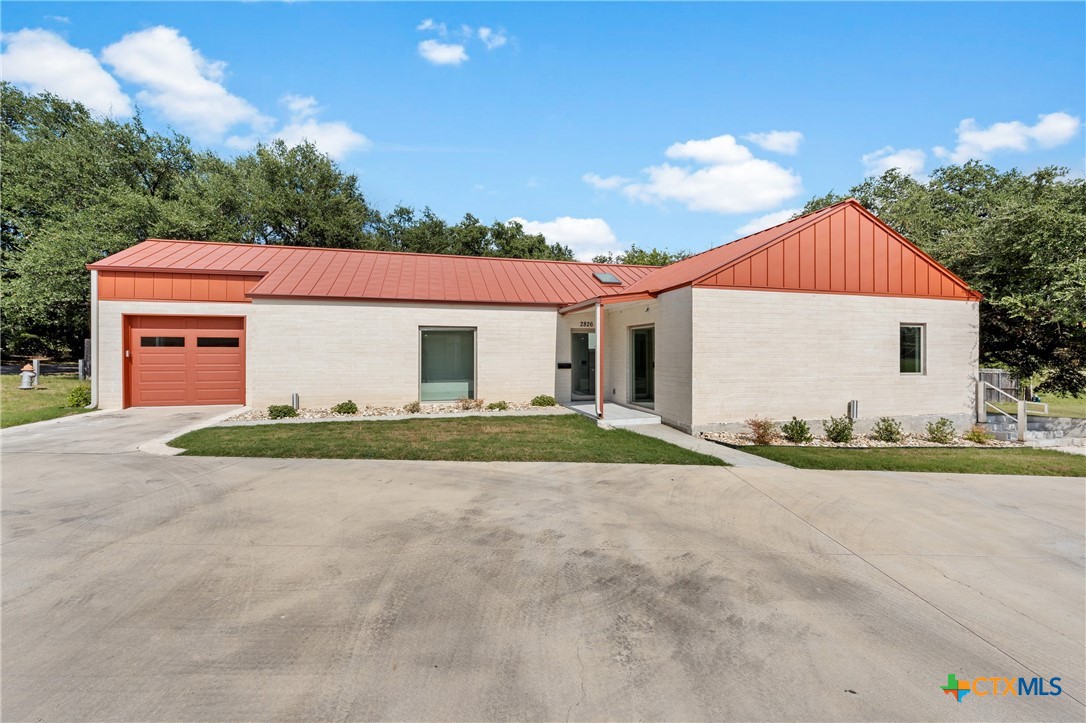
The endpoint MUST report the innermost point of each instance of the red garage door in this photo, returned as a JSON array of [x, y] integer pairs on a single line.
[[184, 360]]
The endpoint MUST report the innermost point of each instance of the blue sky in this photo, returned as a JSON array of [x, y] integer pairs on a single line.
[[672, 125]]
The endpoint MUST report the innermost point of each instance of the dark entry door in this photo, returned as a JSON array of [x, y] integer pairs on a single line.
[[643, 352], [583, 357]]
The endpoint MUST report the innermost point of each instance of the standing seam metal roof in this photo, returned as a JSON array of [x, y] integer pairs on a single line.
[[295, 272]]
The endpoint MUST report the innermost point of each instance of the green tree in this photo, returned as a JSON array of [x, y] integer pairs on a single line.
[[635, 255], [1019, 239]]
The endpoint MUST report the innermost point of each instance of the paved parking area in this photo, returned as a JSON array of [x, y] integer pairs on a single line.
[[172, 588]]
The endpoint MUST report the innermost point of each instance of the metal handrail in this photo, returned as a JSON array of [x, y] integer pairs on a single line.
[[989, 405], [1021, 420], [1015, 400]]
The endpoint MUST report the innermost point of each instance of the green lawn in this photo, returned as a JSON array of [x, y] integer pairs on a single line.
[[18, 406], [1057, 407], [565, 438], [973, 460]]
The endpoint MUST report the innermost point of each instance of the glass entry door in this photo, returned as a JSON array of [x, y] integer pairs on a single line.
[[583, 357], [643, 356]]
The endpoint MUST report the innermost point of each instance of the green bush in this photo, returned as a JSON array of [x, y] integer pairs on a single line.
[[498, 406], [979, 435], [282, 411], [941, 431], [347, 407], [544, 400], [764, 431], [79, 396], [412, 407], [888, 429], [838, 429], [796, 431]]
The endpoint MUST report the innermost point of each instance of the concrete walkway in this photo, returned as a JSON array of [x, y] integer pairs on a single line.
[[728, 454]]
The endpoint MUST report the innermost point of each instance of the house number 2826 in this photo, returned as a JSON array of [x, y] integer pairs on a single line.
[[588, 324]]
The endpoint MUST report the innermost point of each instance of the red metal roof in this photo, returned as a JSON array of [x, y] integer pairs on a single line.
[[842, 248], [295, 272]]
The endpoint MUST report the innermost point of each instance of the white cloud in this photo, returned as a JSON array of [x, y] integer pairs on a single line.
[[786, 142], [587, 237], [39, 60], [608, 183], [909, 161], [440, 53], [301, 106], [763, 222], [722, 149], [492, 38], [180, 83], [63, 19], [731, 179], [335, 138], [429, 25], [975, 142]]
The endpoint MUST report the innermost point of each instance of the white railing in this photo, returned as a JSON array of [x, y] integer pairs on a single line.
[[1021, 405]]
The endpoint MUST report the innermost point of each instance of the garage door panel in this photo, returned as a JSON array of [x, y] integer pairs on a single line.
[[186, 360]]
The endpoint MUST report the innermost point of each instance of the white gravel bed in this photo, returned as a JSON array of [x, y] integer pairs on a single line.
[[860, 441], [452, 409]]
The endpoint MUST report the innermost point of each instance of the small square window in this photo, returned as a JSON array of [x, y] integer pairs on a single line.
[[607, 278], [912, 348]]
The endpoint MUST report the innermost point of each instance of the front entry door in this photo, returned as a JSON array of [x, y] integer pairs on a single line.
[[643, 353], [583, 357]]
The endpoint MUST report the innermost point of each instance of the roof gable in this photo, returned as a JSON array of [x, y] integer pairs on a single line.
[[842, 249]]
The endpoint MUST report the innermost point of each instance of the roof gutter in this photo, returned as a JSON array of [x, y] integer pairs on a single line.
[[606, 301]]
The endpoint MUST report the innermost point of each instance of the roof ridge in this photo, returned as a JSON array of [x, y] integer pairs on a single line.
[[396, 253]]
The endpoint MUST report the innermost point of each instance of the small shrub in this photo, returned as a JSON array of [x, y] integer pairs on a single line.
[[544, 400], [413, 407], [347, 407], [978, 435], [796, 431], [888, 429], [470, 404], [764, 431], [282, 411], [838, 429], [941, 431], [79, 396], [498, 406]]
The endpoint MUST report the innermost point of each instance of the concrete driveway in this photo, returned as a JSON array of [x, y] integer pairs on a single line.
[[149, 588]]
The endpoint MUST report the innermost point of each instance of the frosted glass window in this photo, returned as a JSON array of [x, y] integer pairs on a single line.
[[448, 365]]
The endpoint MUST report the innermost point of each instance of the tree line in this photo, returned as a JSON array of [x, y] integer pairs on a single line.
[[77, 187]]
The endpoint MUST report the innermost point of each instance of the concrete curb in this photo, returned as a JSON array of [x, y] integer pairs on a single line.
[[541, 412], [159, 446]]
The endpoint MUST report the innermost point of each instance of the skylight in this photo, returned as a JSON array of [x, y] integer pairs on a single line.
[[605, 278]]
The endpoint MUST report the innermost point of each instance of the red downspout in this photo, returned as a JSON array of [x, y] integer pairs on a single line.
[[599, 360]]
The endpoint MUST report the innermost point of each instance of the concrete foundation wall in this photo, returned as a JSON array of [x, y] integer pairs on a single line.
[[778, 355]]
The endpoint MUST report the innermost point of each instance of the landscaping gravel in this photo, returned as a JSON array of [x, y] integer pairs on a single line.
[[861, 441], [257, 415]]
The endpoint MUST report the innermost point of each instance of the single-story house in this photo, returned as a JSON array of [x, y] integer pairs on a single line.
[[796, 320]]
